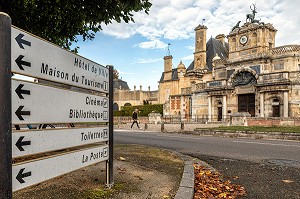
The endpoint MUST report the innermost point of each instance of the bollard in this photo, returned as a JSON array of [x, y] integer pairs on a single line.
[[182, 126], [146, 126], [162, 127]]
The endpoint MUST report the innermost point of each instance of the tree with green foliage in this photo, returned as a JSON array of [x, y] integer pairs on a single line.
[[61, 21]]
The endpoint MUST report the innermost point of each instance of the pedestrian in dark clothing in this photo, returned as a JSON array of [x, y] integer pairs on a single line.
[[135, 118]]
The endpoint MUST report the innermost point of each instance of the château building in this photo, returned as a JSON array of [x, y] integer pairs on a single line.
[[243, 72], [123, 96]]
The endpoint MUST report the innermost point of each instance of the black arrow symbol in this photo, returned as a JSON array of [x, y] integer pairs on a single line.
[[19, 113], [20, 143], [22, 175], [20, 62], [19, 91], [21, 41]]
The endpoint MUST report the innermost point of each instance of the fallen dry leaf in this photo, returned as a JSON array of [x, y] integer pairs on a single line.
[[287, 181], [122, 159], [209, 185]]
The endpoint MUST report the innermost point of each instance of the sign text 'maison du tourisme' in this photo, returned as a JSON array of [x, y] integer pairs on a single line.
[[38, 58]]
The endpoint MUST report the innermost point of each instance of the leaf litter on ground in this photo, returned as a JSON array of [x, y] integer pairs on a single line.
[[210, 185]]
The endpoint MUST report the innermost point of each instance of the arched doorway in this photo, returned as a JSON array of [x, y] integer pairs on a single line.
[[245, 79], [246, 103], [116, 107], [276, 107], [220, 111]]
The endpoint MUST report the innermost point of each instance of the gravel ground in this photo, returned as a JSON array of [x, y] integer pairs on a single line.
[[261, 180], [143, 173]]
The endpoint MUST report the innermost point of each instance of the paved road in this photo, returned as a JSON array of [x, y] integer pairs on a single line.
[[267, 168], [275, 151]]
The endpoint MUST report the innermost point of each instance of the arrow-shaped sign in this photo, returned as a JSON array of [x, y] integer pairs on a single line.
[[21, 41], [19, 112], [20, 143], [22, 175], [20, 62], [19, 91]]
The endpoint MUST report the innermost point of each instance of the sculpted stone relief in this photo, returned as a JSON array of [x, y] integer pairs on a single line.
[[243, 78]]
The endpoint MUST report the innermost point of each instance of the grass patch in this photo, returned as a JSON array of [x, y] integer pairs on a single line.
[[284, 129], [153, 158], [105, 193]]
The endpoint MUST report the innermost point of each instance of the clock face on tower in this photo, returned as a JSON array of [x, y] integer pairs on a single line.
[[243, 39]]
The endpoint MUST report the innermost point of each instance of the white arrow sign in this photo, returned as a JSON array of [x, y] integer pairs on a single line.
[[35, 57], [34, 103], [33, 142], [24, 175]]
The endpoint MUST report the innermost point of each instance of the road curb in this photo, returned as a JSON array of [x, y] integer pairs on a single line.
[[186, 187]]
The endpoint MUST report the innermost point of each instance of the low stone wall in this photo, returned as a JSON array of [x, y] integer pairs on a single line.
[[167, 127], [273, 121], [192, 129]]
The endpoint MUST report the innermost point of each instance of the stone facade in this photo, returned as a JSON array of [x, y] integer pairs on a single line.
[[123, 95], [246, 74]]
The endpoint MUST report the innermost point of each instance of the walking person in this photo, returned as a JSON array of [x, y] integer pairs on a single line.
[[135, 118]]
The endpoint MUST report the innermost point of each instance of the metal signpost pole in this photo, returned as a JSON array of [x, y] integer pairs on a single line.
[[109, 162], [5, 108]]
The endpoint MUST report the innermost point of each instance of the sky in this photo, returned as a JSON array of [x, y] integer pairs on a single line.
[[137, 49]]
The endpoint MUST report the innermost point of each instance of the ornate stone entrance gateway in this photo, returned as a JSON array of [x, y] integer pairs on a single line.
[[246, 73]]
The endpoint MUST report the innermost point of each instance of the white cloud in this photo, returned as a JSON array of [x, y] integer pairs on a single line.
[[147, 61], [189, 57], [191, 47], [176, 19], [125, 73], [153, 44]]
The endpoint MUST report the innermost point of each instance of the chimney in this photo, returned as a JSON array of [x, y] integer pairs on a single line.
[[168, 63]]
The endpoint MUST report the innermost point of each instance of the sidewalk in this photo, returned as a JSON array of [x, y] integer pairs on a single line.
[[194, 129]]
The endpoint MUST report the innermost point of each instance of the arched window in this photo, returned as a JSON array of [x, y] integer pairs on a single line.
[[116, 107]]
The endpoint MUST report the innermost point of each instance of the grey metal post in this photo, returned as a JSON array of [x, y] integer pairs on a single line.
[[5, 108], [109, 162]]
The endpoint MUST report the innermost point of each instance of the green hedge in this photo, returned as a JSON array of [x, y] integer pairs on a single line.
[[144, 110]]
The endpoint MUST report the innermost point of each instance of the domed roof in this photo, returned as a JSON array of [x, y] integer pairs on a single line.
[[181, 65]]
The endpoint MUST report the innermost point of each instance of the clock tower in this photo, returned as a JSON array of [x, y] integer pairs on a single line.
[[251, 38]]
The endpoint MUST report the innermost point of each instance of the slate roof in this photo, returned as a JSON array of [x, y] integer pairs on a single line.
[[213, 46], [120, 83], [174, 75]]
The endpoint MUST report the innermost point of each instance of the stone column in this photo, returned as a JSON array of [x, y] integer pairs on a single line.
[[285, 104], [224, 111], [261, 105], [209, 108]]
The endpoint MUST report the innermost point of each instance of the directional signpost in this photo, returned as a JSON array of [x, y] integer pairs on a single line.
[[31, 104], [33, 142], [31, 173], [38, 58], [75, 90]]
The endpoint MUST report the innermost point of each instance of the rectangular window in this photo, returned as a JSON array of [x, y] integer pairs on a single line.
[[278, 66]]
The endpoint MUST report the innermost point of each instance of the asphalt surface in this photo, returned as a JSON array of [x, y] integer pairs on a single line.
[[266, 168]]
